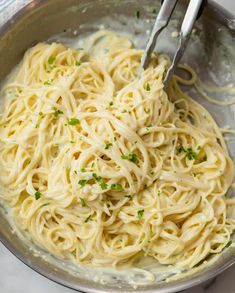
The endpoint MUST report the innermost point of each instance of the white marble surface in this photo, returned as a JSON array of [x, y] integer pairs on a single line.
[[15, 277]]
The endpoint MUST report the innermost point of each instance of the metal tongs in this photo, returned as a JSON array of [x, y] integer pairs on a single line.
[[162, 20]]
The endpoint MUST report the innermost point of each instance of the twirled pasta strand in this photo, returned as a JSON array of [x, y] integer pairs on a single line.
[[100, 167]]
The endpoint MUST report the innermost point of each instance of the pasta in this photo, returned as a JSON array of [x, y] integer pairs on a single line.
[[101, 167]]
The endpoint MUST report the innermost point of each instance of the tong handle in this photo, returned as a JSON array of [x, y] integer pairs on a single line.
[[161, 22], [185, 32]]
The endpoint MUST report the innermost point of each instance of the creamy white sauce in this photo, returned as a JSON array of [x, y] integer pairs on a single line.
[[146, 271]]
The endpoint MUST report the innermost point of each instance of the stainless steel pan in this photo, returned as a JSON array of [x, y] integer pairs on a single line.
[[211, 51]]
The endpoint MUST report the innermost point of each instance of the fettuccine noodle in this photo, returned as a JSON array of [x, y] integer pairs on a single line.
[[102, 167]]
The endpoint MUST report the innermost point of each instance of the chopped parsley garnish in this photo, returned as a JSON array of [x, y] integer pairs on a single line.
[[194, 174], [229, 244], [108, 145], [128, 196], [74, 121], [83, 170], [137, 14], [111, 103], [154, 10], [72, 141], [51, 60], [190, 154], [58, 112], [159, 192], [131, 157], [82, 182], [116, 186], [100, 180], [37, 195], [83, 202], [89, 218], [47, 82], [140, 214], [96, 177], [147, 87], [103, 185], [77, 63], [40, 114]]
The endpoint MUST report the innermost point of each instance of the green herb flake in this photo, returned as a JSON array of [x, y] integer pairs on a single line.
[[73, 121], [154, 11], [128, 196], [140, 214], [82, 182], [100, 180], [89, 218], [194, 174], [57, 113], [51, 60], [37, 195], [47, 82], [117, 186], [83, 170], [40, 114], [159, 192], [137, 14], [108, 145], [147, 87], [103, 185], [96, 177], [131, 157], [111, 103], [83, 202], [72, 141], [190, 154], [77, 63], [229, 244]]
